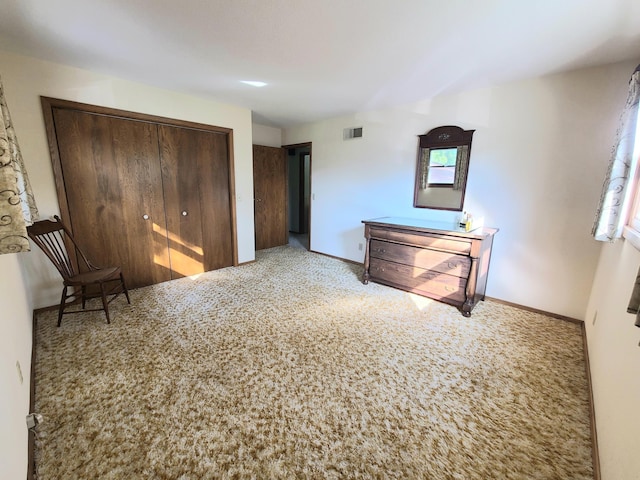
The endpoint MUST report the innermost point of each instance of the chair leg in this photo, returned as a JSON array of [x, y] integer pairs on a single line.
[[84, 296], [124, 287], [105, 304], [63, 301]]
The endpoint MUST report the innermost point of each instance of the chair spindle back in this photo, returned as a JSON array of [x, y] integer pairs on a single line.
[[53, 238]]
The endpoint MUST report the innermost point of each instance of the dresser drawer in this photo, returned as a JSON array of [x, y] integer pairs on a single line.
[[436, 260], [433, 284], [438, 242]]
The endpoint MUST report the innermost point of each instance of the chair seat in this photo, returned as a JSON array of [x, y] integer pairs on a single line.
[[95, 276]]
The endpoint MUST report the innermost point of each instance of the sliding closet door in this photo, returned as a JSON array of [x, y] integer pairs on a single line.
[[111, 176], [196, 183]]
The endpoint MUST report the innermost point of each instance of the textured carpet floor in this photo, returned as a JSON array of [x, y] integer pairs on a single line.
[[290, 367]]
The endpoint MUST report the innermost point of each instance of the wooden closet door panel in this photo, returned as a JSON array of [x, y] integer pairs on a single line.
[[270, 196], [112, 178], [195, 170]]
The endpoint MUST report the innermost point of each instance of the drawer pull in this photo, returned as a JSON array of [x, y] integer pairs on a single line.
[[380, 250]]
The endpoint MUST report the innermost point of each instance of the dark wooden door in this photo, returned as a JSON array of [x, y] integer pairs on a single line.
[[111, 175], [196, 183], [305, 183], [270, 196]]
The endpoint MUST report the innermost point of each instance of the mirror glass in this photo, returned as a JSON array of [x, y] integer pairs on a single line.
[[442, 167]]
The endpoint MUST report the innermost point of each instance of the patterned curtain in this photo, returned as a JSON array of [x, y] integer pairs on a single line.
[[17, 205], [462, 167], [614, 201], [424, 168]]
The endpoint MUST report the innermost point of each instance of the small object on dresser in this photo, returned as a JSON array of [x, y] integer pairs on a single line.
[[463, 220], [473, 223], [469, 222]]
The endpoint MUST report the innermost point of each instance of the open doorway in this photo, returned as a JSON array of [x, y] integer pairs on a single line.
[[299, 185]]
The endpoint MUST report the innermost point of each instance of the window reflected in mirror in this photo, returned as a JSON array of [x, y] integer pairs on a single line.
[[441, 169]]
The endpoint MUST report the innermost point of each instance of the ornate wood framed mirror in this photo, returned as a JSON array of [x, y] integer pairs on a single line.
[[442, 168]]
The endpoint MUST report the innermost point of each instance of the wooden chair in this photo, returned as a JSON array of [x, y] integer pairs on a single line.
[[53, 238]]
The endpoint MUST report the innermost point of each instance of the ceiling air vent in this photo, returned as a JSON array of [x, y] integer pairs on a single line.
[[354, 132]]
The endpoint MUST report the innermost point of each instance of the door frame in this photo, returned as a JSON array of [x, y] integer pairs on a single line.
[[303, 215], [49, 104], [310, 146]]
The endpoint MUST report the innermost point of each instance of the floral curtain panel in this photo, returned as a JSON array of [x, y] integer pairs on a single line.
[[462, 167], [614, 204], [17, 205]]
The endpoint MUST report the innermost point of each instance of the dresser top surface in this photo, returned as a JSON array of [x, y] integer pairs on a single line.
[[430, 226]]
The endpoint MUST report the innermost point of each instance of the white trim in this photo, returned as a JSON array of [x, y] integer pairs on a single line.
[[632, 235], [631, 203]]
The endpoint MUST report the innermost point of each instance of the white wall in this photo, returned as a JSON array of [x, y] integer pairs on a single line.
[[26, 79], [614, 348], [267, 136], [537, 163], [15, 347], [614, 355]]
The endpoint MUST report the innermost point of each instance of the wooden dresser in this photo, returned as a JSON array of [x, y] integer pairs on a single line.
[[434, 259]]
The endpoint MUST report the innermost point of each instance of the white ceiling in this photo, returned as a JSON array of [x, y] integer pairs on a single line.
[[322, 58]]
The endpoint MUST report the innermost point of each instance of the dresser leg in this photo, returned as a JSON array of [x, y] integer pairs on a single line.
[[365, 275], [470, 302]]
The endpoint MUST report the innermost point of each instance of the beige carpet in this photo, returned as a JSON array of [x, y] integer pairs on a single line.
[[291, 368]]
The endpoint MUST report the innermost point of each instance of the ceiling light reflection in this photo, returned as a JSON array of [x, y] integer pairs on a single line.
[[253, 83]]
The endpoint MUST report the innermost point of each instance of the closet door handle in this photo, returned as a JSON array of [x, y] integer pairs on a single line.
[[184, 213], [145, 216]]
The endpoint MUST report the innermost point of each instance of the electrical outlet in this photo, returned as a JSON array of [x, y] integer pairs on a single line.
[[595, 317], [360, 246], [33, 420]]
